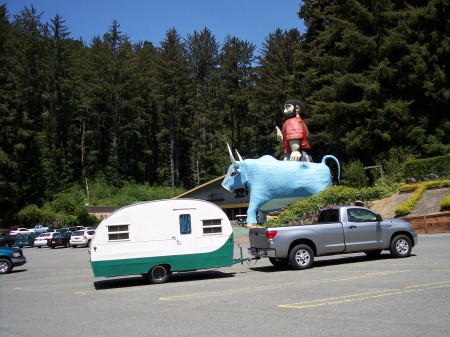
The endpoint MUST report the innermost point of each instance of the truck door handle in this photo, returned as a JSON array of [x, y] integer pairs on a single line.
[[352, 226]]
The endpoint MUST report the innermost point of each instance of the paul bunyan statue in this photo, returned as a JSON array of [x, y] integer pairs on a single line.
[[294, 133]]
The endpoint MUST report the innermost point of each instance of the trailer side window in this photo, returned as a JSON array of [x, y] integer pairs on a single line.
[[118, 232], [213, 226], [185, 224]]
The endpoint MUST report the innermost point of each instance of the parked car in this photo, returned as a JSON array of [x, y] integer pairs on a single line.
[[23, 240], [7, 240], [81, 238], [10, 258], [59, 239], [19, 231], [42, 239], [66, 230]]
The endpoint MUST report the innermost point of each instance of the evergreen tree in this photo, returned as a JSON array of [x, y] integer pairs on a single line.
[[236, 84], [274, 85], [171, 87], [204, 125]]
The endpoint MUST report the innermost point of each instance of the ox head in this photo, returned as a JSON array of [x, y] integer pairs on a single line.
[[236, 177]]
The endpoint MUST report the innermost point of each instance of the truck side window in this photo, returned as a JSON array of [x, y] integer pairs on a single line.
[[185, 224], [360, 215], [329, 215]]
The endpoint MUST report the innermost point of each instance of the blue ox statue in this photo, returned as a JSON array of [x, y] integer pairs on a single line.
[[273, 183]]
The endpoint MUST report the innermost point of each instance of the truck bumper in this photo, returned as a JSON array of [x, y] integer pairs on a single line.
[[18, 261], [262, 252]]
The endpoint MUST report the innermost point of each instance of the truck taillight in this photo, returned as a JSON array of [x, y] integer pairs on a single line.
[[270, 234]]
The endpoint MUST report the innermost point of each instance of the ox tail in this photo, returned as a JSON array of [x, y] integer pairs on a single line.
[[328, 156]]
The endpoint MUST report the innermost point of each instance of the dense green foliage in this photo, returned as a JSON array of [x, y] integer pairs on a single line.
[[426, 166], [445, 203], [305, 211], [373, 75]]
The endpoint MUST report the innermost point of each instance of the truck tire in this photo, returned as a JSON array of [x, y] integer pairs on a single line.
[[5, 266], [279, 263], [400, 246], [159, 274], [301, 257]]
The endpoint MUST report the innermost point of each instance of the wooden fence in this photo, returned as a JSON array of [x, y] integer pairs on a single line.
[[431, 223]]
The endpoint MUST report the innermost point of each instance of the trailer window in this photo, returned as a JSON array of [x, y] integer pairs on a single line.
[[213, 226], [185, 224], [118, 232]]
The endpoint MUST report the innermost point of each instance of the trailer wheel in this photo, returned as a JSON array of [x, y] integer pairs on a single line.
[[158, 274], [301, 257], [279, 263]]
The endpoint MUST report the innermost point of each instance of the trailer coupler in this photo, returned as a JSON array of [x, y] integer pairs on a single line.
[[242, 258]]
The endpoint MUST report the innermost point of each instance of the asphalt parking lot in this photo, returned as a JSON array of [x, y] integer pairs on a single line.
[[55, 293]]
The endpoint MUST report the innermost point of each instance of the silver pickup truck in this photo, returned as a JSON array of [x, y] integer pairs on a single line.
[[338, 230]]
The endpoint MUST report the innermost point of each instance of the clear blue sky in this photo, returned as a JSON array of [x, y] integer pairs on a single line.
[[249, 20]]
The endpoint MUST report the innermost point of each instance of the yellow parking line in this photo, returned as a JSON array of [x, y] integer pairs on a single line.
[[365, 296], [275, 286]]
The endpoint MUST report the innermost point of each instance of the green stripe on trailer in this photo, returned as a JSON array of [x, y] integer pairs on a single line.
[[222, 257]]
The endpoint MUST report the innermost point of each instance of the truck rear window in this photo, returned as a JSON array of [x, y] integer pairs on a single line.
[[329, 215]]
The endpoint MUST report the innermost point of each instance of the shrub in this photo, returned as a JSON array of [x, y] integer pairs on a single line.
[[419, 189], [335, 195], [423, 167], [354, 174], [445, 203]]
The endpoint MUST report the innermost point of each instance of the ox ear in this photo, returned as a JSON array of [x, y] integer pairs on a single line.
[[233, 161], [239, 156]]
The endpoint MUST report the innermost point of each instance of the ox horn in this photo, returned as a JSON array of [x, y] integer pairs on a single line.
[[239, 156], [233, 161]]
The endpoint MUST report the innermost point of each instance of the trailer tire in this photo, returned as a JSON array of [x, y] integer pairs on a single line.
[[158, 274], [301, 257]]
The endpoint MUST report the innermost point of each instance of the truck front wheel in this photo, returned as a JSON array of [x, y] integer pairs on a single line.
[[158, 274], [400, 246], [5, 266], [301, 257]]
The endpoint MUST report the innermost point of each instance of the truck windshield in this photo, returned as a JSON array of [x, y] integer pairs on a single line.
[[329, 215]]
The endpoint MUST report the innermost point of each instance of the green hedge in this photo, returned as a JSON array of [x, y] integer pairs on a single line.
[[407, 207], [334, 195], [445, 203], [423, 167]]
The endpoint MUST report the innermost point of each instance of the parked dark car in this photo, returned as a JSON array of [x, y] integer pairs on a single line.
[[7, 240], [10, 258], [59, 240], [23, 240], [66, 230]]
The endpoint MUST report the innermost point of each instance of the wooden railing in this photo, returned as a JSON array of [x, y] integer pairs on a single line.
[[431, 223]]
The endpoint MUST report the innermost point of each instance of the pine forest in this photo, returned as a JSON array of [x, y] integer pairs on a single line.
[[373, 77]]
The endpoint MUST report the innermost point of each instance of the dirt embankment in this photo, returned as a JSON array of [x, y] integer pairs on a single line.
[[428, 204]]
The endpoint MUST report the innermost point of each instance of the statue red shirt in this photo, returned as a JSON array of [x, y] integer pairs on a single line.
[[295, 128]]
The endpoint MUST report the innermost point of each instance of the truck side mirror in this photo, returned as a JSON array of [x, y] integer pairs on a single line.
[[379, 217]]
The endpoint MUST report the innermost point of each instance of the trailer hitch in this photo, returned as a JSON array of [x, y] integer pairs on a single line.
[[243, 259]]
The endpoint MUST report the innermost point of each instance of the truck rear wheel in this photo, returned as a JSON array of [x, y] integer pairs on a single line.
[[400, 246], [301, 257], [158, 274]]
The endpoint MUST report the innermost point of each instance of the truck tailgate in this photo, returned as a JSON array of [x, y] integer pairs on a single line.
[[257, 237]]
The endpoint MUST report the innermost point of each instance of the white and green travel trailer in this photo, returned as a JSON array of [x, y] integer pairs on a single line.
[[157, 238]]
